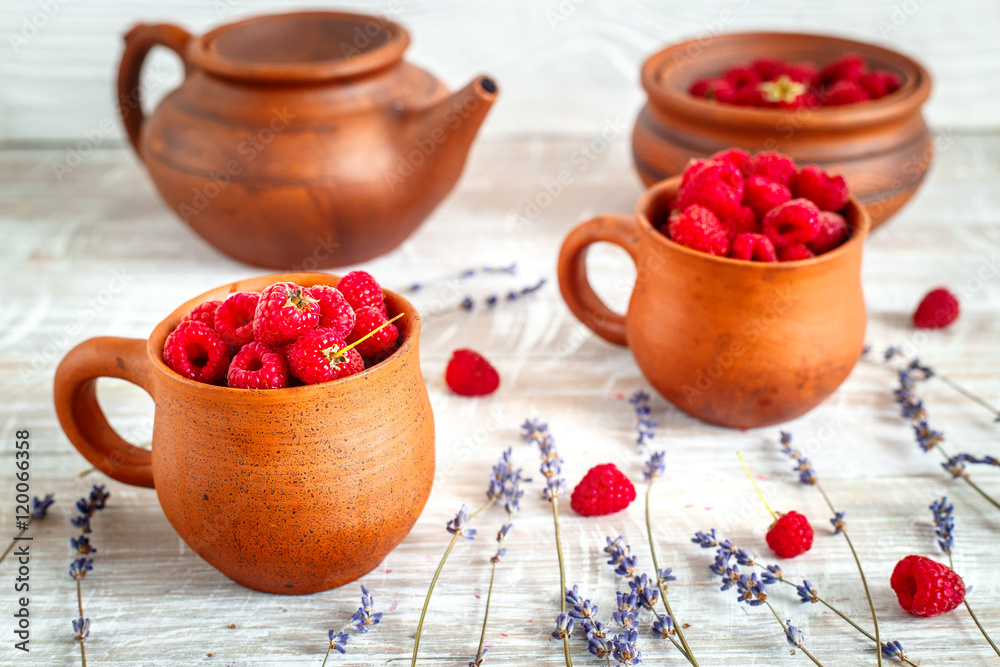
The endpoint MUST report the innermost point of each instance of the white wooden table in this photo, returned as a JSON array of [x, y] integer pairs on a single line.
[[153, 602]]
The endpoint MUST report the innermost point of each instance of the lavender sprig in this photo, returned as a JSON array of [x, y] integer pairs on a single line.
[[533, 431], [808, 477], [39, 508], [944, 528], [653, 469], [465, 274], [459, 527], [468, 303], [895, 353], [361, 622], [725, 551], [912, 408], [87, 506]]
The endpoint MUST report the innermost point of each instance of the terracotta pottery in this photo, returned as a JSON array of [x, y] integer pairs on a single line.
[[731, 342], [300, 141], [288, 491], [882, 147]]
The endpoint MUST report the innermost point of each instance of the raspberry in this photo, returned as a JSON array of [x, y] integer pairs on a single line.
[[775, 167], [719, 90], [334, 311], [937, 309], [768, 69], [737, 157], [762, 194], [234, 318], [741, 221], [383, 341], [718, 186], [845, 92], [316, 357], [256, 366], [603, 490], [196, 352], [833, 231], [790, 535], [204, 313], [804, 72], [748, 97], [795, 222], [469, 374], [756, 247], [794, 253], [925, 587], [879, 83], [829, 193], [284, 313], [848, 69], [742, 77], [698, 228], [360, 290]]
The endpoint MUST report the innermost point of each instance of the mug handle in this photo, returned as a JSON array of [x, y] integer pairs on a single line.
[[138, 41], [81, 417], [573, 283]]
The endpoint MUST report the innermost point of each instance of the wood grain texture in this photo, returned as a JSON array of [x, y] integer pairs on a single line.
[[566, 66], [98, 254]]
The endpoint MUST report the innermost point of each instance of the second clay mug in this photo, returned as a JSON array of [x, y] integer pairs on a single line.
[[292, 490], [731, 342]]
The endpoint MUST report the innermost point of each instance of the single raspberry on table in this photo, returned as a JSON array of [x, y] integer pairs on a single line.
[[740, 221], [938, 309], [197, 352], [697, 228], [319, 356], [845, 92], [829, 193], [382, 341], [879, 83], [284, 312], [833, 231], [234, 318], [775, 167], [334, 311], [849, 68], [257, 366], [925, 587], [762, 194], [790, 535], [469, 374], [753, 247], [794, 253], [796, 222], [737, 157], [360, 290], [718, 186], [204, 312], [603, 490]]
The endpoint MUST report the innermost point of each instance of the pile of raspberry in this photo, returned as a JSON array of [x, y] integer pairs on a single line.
[[776, 84], [286, 335], [759, 208]]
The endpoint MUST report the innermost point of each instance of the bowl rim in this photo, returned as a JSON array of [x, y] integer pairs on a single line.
[[907, 100], [861, 228], [409, 326], [202, 52]]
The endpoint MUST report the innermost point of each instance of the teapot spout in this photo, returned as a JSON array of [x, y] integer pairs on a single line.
[[453, 122]]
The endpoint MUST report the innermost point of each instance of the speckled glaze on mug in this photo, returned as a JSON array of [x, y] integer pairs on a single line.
[[289, 491]]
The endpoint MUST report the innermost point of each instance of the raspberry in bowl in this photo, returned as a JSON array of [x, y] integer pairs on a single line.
[[275, 486], [881, 146]]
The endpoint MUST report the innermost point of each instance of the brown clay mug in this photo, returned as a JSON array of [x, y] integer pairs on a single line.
[[735, 343], [288, 491]]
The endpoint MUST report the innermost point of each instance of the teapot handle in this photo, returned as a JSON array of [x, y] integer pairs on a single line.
[[573, 283], [138, 41]]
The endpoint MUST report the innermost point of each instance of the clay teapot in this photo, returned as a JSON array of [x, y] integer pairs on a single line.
[[301, 140], [289, 491]]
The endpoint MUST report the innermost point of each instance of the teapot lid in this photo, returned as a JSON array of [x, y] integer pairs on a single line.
[[299, 47]]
